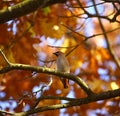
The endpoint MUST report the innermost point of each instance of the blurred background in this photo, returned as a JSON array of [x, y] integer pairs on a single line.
[[87, 30]]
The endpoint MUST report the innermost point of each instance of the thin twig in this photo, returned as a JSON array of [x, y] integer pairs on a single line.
[[4, 57], [107, 40]]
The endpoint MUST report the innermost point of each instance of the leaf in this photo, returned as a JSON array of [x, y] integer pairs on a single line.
[[46, 10]]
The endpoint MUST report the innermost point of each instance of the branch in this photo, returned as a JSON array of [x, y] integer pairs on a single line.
[[4, 57], [78, 102], [38, 69], [106, 38], [112, 1], [25, 7], [51, 98]]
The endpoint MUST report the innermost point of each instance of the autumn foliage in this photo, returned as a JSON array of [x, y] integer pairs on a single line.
[[86, 31]]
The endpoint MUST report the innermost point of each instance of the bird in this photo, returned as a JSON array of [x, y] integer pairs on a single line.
[[62, 66]]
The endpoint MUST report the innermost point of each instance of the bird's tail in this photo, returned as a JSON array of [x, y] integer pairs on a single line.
[[65, 83]]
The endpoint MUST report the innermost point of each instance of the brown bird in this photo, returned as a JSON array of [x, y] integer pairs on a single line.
[[62, 66]]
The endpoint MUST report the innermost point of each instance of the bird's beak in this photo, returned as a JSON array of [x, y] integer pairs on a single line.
[[55, 53]]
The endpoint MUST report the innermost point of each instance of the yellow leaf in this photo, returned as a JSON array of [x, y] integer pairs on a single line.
[[114, 85]]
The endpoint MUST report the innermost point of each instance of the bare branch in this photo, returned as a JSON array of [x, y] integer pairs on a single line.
[[106, 38], [4, 57], [81, 101], [46, 70], [112, 1], [25, 7]]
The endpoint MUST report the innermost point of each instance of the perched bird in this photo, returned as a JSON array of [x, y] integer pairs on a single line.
[[62, 66]]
